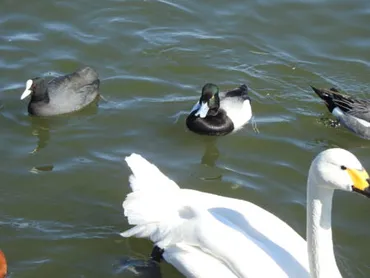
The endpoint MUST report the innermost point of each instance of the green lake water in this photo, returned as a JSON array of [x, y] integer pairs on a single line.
[[63, 179]]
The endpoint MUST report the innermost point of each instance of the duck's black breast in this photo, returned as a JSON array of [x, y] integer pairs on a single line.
[[219, 124]]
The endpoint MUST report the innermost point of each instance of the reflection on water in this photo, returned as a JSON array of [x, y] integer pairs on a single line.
[[329, 122], [211, 152], [40, 129], [44, 168], [153, 57], [140, 268], [43, 126]]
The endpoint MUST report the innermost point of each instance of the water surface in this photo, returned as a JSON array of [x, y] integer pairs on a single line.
[[63, 179]]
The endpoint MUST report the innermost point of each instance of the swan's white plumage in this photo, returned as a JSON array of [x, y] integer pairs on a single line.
[[186, 259], [203, 233]]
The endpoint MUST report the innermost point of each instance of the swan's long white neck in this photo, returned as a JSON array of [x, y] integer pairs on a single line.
[[319, 235]]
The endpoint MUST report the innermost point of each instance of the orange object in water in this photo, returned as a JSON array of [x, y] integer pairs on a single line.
[[3, 265]]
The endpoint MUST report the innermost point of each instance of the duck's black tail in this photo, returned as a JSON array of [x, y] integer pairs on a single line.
[[244, 88], [327, 96], [242, 92]]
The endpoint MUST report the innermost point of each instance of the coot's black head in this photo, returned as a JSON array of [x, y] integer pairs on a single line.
[[209, 102], [35, 87]]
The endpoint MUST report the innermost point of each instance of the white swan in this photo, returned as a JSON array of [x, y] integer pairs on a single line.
[[206, 235]]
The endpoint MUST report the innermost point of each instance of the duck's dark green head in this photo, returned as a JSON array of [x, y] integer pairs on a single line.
[[209, 101]]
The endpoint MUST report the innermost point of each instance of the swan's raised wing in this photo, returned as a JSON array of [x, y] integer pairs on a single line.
[[146, 176]]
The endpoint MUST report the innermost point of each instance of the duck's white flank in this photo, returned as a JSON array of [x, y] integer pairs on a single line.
[[338, 113], [239, 112]]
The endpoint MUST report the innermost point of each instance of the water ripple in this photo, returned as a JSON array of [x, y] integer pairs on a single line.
[[153, 58], [73, 32]]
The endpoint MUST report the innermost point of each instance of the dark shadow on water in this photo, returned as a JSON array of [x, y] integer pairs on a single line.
[[141, 268]]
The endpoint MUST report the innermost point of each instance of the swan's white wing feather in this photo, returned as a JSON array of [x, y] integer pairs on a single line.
[[146, 176], [156, 215]]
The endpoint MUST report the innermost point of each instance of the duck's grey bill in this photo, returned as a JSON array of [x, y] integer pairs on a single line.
[[203, 110]]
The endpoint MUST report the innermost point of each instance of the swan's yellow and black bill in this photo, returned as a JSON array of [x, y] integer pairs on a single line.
[[361, 181]]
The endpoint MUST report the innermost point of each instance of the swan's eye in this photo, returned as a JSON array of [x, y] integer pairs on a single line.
[[343, 167]]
